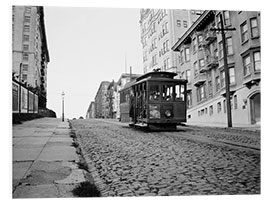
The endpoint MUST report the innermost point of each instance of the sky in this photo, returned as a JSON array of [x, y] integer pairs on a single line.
[[87, 46]]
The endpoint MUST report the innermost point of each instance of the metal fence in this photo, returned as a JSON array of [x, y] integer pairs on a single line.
[[23, 100]]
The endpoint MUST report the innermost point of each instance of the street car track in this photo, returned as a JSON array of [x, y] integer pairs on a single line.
[[220, 143]]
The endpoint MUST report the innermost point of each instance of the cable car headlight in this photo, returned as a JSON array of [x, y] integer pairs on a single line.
[[168, 114]]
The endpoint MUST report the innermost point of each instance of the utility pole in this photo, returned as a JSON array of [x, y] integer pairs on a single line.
[[226, 69]]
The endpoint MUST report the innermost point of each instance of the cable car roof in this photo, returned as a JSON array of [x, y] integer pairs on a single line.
[[157, 74]]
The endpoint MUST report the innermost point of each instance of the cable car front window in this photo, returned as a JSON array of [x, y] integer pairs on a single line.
[[167, 92], [154, 92]]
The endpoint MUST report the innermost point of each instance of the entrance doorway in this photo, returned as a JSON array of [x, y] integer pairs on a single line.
[[255, 108]]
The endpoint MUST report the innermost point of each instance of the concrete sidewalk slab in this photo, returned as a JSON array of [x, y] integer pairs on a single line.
[[44, 160], [20, 169], [36, 191], [58, 153], [26, 154], [33, 141]]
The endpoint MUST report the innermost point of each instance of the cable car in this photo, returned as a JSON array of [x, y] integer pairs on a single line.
[[155, 101]]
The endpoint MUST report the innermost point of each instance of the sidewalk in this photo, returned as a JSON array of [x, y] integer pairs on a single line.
[[254, 128], [44, 160]]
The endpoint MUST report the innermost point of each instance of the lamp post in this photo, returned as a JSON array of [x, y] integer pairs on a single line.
[[63, 97]]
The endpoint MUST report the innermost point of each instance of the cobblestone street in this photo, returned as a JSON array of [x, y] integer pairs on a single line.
[[130, 162]]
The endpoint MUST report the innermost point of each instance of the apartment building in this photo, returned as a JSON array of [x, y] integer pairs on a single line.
[[160, 29], [30, 56], [202, 64], [101, 103], [120, 84]]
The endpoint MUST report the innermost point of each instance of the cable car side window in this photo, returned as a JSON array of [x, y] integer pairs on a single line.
[[179, 92], [154, 92]]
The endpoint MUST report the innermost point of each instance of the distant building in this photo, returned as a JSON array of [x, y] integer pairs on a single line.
[[101, 104], [122, 81], [91, 111], [160, 29], [111, 95], [30, 54], [201, 63]]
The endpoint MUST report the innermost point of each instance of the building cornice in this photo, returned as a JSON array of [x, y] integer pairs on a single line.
[[194, 27]]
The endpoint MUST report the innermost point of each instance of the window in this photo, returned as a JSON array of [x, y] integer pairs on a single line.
[[25, 37], [166, 46], [165, 28], [182, 56], [201, 93], [201, 62], [222, 79], [224, 105], [178, 23], [189, 99], [200, 39], [25, 47], [235, 101], [257, 60], [25, 67], [254, 27], [211, 110], [244, 32], [179, 93], [24, 77], [26, 28], [144, 42], [187, 57], [196, 68], [27, 19], [154, 60], [219, 107], [246, 63], [229, 46], [167, 92], [166, 63], [27, 9], [154, 43], [217, 83], [154, 93], [185, 24], [25, 57], [188, 76], [210, 88], [220, 49], [194, 45], [227, 19], [232, 75]]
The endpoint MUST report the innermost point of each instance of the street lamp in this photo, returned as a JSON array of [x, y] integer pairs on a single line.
[[63, 97]]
